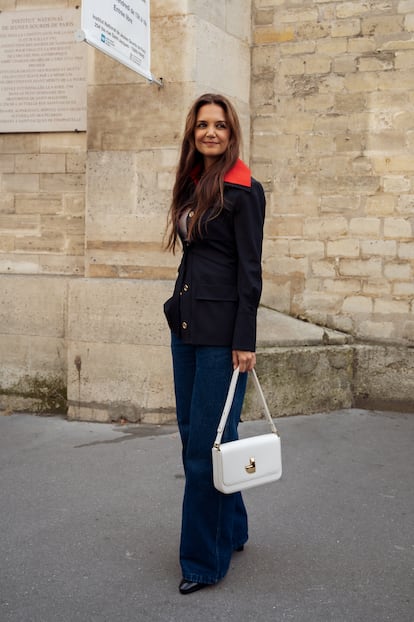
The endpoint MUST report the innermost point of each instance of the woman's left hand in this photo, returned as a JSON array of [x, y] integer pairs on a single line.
[[245, 361]]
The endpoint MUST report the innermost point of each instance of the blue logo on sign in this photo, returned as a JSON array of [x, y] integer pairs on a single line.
[[102, 37]]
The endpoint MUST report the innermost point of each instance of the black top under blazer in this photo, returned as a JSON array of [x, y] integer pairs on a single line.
[[219, 281]]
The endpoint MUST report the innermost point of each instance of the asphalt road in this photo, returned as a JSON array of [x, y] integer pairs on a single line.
[[90, 517]]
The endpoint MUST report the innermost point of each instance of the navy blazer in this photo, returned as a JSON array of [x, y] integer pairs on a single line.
[[219, 281]]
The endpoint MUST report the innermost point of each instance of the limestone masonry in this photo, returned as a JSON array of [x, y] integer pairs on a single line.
[[325, 92]]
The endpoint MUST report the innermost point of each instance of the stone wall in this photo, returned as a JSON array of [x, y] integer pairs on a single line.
[[333, 136], [42, 236], [329, 111], [82, 218]]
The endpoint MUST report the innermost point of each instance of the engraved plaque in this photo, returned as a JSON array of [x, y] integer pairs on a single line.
[[42, 72]]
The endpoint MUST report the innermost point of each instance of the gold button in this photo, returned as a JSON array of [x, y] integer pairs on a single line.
[[186, 287], [190, 214], [184, 325]]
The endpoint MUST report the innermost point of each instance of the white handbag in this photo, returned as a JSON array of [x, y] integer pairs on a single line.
[[247, 462]]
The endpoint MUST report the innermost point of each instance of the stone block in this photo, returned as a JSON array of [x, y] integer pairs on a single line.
[[376, 62], [118, 311], [361, 82], [19, 143], [116, 123], [380, 205], [268, 35], [19, 223], [38, 306], [386, 141], [263, 17], [321, 301], [6, 243], [52, 243], [346, 287], [406, 250], [234, 83], [379, 248], [396, 183], [345, 10], [64, 265], [384, 377], [177, 35], [62, 142], [324, 228], [285, 265], [63, 182], [377, 286], [319, 102], [343, 248], [40, 163], [370, 329], [238, 18], [276, 293], [7, 203], [360, 45], [297, 47], [346, 28], [403, 289], [115, 381], [332, 47], [112, 184], [286, 226], [398, 228], [323, 268], [317, 63], [409, 23], [391, 307], [347, 63], [381, 24], [408, 331], [76, 162], [405, 6], [361, 267], [357, 304], [397, 271], [13, 263], [308, 379], [12, 182], [74, 204], [28, 356], [365, 226], [7, 163], [305, 248], [312, 30], [38, 204], [404, 59]]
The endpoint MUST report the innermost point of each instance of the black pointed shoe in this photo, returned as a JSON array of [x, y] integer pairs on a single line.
[[188, 587]]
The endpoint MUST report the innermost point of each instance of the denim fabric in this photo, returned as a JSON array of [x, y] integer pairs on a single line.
[[213, 524]]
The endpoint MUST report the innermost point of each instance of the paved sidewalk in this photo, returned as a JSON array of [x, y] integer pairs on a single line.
[[89, 525]]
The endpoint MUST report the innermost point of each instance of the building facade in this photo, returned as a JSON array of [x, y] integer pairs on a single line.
[[325, 91]]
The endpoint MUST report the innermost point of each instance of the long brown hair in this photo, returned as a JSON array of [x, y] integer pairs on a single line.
[[209, 191]]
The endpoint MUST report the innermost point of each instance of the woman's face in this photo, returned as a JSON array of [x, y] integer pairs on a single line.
[[212, 133]]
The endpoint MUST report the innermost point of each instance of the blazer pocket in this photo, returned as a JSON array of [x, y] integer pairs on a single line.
[[209, 291]]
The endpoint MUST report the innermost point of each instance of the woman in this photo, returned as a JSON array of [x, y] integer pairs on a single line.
[[217, 212]]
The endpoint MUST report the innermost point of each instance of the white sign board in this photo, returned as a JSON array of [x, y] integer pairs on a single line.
[[121, 29], [42, 72]]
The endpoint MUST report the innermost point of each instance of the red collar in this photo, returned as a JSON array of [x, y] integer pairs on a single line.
[[239, 175]]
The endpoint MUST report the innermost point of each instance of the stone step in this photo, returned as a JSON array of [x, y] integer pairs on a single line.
[[306, 369]]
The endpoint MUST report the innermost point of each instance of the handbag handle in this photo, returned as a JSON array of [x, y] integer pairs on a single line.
[[229, 402]]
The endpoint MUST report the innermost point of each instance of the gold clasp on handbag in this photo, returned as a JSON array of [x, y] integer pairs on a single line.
[[251, 467]]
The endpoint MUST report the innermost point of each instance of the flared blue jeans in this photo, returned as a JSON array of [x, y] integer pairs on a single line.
[[213, 524]]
